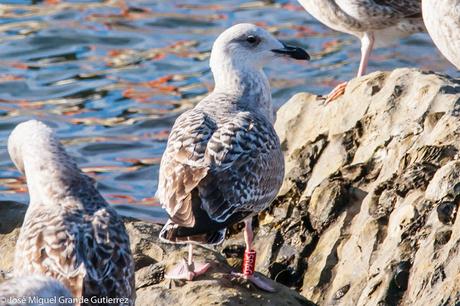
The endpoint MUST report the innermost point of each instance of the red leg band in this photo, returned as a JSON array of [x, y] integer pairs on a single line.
[[249, 262]]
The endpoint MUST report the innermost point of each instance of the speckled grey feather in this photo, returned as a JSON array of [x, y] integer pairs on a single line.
[[442, 19], [69, 232], [388, 19], [226, 148]]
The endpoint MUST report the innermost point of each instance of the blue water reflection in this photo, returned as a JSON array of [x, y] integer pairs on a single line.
[[112, 76]]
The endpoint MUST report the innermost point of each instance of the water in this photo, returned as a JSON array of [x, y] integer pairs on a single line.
[[112, 78]]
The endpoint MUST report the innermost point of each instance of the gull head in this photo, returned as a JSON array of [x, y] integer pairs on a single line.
[[32, 134], [40, 286], [248, 46]]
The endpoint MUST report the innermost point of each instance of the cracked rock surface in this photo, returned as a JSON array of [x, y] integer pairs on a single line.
[[368, 211]]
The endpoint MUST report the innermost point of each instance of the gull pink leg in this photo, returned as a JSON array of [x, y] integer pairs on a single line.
[[249, 261], [188, 269], [248, 234], [367, 43]]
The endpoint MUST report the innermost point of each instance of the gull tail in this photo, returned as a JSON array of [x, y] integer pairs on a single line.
[[173, 233]]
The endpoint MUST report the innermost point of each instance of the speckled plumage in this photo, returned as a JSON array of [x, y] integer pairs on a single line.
[[375, 22], [223, 160], [386, 18], [69, 232], [442, 20], [35, 290]]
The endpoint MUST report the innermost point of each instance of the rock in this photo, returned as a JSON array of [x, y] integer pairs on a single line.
[[401, 276], [153, 259], [11, 217], [150, 275], [447, 211], [445, 183], [369, 203], [326, 202], [214, 288]]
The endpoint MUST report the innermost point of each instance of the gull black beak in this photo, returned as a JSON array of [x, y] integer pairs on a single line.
[[294, 52]]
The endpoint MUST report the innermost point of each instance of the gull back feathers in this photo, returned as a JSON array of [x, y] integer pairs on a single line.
[[70, 232], [223, 161]]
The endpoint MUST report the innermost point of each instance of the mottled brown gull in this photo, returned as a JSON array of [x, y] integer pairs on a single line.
[[375, 22], [442, 20], [223, 162], [69, 231], [34, 290]]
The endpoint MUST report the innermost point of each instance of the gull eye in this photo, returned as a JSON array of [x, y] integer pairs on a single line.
[[253, 40]]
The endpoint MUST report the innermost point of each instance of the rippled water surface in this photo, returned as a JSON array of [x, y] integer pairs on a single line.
[[112, 76]]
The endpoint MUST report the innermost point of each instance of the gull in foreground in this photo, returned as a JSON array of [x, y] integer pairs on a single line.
[[223, 162], [442, 20], [69, 232], [34, 290], [375, 22]]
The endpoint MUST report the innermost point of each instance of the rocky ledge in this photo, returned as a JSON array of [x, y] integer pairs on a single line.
[[366, 216], [153, 258], [368, 211]]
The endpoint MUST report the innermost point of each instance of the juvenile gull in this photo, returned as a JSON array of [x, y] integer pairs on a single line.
[[34, 290], [223, 162], [69, 231], [374, 22], [442, 20]]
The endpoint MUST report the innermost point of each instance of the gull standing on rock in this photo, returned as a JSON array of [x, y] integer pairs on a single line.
[[35, 290], [223, 161], [69, 232], [374, 22], [442, 20]]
